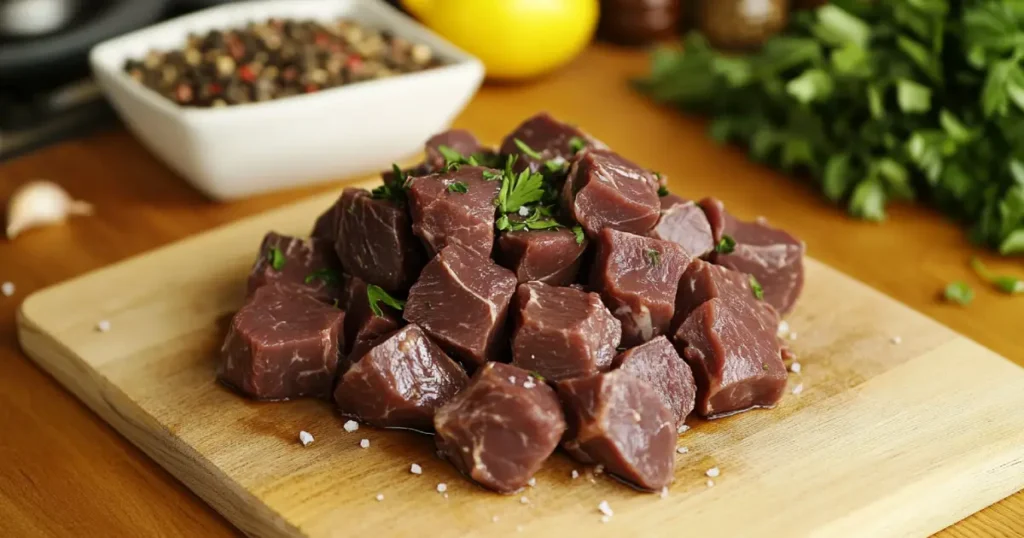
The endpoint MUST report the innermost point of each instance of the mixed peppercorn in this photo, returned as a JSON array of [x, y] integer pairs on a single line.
[[274, 59]]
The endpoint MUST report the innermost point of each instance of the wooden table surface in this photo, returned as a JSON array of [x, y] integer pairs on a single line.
[[65, 472]]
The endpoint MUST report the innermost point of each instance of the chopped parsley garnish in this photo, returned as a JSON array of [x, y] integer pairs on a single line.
[[556, 165], [276, 258], [458, 187], [726, 245], [519, 189], [527, 150], [376, 295], [450, 155], [578, 232], [539, 219], [755, 286], [653, 256], [537, 376], [400, 177], [395, 191], [663, 191], [576, 144], [328, 276], [491, 175], [959, 292], [1006, 284]]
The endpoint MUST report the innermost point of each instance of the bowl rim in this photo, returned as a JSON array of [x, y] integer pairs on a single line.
[[461, 62]]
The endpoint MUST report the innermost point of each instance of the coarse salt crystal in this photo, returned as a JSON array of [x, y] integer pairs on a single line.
[[351, 426], [364, 443], [575, 474], [512, 379], [795, 367], [494, 519], [305, 438], [605, 508], [524, 500], [896, 340], [519, 528], [524, 211], [606, 519], [532, 482], [711, 483], [713, 472], [783, 328], [415, 469], [798, 389], [445, 495], [380, 496], [664, 492], [682, 450], [103, 326], [529, 384], [7, 288], [442, 487], [792, 336], [683, 429]]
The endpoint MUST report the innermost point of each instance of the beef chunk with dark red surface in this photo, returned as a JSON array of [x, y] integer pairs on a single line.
[[547, 137], [501, 428], [375, 241], [604, 190], [684, 223], [638, 277], [282, 344], [774, 257], [309, 263], [659, 365], [618, 421], [455, 207], [326, 225], [400, 382], [363, 327], [461, 300], [729, 340], [549, 256], [460, 141], [562, 333]]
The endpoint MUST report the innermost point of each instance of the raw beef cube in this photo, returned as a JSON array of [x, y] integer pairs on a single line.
[[638, 277], [703, 281], [461, 301], [549, 256], [375, 241], [683, 222], [326, 226], [551, 139], [363, 327], [659, 365], [618, 421], [282, 344], [390, 178], [287, 259], [730, 343], [774, 257], [400, 382], [459, 140], [562, 333], [455, 207], [605, 190], [501, 428]]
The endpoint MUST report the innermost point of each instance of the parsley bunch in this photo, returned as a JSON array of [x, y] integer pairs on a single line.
[[878, 101]]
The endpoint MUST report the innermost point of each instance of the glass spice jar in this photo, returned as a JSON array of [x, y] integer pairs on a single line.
[[741, 24], [639, 22]]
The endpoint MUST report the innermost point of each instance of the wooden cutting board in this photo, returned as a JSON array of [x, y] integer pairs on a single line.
[[885, 439]]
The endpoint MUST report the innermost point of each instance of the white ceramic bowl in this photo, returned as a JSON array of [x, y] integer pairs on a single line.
[[236, 151]]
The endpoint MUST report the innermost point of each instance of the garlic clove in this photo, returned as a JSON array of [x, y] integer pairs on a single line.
[[41, 203]]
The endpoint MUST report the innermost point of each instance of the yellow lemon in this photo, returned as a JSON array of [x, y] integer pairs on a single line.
[[515, 39]]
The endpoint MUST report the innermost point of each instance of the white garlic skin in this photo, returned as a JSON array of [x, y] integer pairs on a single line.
[[41, 203]]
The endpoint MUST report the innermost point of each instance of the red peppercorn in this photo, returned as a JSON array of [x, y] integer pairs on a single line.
[[213, 88], [183, 93], [354, 62], [289, 74], [321, 40], [310, 88], [245, 73], [236, 49]]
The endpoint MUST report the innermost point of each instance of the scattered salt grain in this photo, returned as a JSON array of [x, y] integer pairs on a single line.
[[605, 509], [351, 426], [494, 519], [798, 389], [711, 483], [575, 474], [305, 438], [380, 497], [598, 469], [896, 340], [445, 495], [529, 384], [795, 367], [519, 528], [783, 329], [532, 482], [792, 336], [713, 472], [415, 469], [103, 326], [512, 379], [605, 519], [682, 450], [7, 288], [524, 500], [364, 443], [442, 487], [683, 429], [664, 492]]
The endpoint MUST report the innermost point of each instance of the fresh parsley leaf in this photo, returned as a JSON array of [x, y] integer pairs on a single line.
[[503, 223], [537, 376], [276, 258], [576, 144], [653, 256], [395, 192], [450, 155], [959, 292], [578, 232], [491, 175], [328, 276], [376, 295], [663, 191], [725, 245], [458, 187], [755, 287], [400, 177], [519, 189], [556, 165], [1007, 284], [527, 150]]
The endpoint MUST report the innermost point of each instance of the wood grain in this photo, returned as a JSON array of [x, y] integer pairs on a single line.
[[57, 453]]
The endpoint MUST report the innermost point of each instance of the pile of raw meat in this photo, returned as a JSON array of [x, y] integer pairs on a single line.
[[547, 293]]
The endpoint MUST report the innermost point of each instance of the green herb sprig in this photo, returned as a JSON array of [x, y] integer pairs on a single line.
[[458, 187], [276, 258], [959, 292], [726, 245], [397, 191], [1009, 285], [653, 257], [756, 288], [376, 295], [329, 277]]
